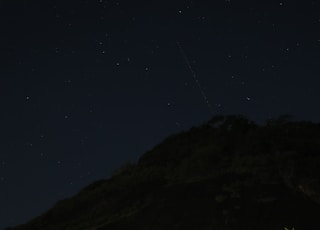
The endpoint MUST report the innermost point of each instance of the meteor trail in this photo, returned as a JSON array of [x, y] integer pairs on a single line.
[[195, 78]]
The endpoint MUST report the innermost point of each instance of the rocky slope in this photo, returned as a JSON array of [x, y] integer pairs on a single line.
[[226, 174]]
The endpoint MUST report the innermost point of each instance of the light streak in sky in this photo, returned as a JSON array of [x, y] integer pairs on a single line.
[[195, 78]]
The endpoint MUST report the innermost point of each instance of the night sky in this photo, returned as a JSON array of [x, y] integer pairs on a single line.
[[88, 85]]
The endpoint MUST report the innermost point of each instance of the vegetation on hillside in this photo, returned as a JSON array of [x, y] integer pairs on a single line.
[[227, 174]]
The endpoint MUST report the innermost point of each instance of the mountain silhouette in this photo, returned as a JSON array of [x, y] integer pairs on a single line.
[[227, 174]]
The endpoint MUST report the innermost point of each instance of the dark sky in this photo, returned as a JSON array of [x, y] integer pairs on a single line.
[[88, 85]]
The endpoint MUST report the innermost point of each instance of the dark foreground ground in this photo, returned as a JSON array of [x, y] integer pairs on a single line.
[[228, 174]]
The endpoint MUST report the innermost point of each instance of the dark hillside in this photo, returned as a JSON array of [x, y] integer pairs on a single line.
[[228, 174]]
